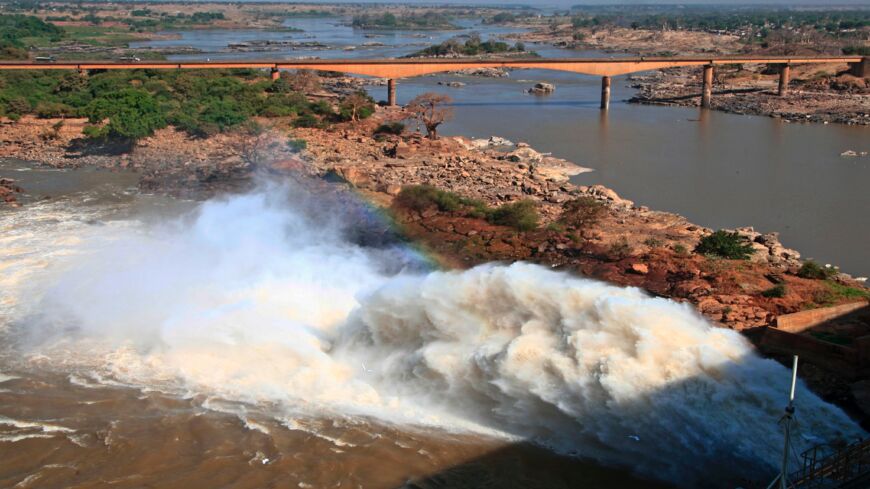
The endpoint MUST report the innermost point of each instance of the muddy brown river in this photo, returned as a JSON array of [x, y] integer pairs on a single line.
[[250, 341]]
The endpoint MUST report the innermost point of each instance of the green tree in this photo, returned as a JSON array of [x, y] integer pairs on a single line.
[[132, 113]]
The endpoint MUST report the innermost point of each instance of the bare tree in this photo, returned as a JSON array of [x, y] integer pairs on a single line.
[[305, 81], [253, 140], [355, 103], [429, 108]]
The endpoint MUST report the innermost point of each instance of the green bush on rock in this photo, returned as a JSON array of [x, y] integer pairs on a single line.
[[727, 245]]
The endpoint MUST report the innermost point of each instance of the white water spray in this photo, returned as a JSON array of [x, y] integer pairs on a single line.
[[254, 300]]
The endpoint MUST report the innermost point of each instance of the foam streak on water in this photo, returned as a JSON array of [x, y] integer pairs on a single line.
[[253, 300]]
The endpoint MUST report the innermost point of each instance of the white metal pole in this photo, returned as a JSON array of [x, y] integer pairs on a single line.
[[789, 412]]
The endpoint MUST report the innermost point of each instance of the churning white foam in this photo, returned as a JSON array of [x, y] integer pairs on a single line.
[[254, 300]]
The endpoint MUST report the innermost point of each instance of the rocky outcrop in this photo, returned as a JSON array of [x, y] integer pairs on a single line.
[[9, 191], [451, 84], [542, 88], [626, 244], [484, 72]]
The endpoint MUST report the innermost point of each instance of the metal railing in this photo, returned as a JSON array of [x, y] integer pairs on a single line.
[[825, 466]]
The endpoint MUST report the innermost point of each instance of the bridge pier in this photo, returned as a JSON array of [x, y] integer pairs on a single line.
[[276, 74], [784, 79], [605, 93], [860, 69], [707, 86], [391, 92]]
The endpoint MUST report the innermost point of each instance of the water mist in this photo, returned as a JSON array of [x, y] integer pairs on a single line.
[[262, 298]]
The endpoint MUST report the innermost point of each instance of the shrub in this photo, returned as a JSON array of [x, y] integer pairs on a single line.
[[521, 215], [307, 120], [653, 242], [48, 110], [556, 227], [580, 212], [777, 291], [297, 144], [680, 250], [53, 132], [725, 245], [17, 106], [224, 114], [620, 248], [356, 106], [322, 107], [395, 128], [814, 271], [420, 197]]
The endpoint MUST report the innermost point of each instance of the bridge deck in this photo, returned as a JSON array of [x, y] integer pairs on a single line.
[[401, 68]]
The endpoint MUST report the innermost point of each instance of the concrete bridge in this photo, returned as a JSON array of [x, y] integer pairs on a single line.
[[394, 69]]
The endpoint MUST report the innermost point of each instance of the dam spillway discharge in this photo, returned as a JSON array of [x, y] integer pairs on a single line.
[[259, 299]]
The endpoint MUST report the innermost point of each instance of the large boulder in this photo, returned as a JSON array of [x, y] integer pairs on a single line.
[[542, 88]]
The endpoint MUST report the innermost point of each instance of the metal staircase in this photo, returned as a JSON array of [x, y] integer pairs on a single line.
[[825, 466]]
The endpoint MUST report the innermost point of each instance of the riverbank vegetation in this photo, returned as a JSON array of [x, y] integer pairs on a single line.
[[473, 46], [763, 26], [509, 17], [412, 21], [721, 18], [16, 29], [521, 215], [131, 104]]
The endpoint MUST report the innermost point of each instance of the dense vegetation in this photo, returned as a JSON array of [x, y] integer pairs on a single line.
[[428, 20], [814, 271], [521, 215], [136, 102], [13, 28], [515, 15], [720, 18], [473, 46], [763, 25], [727, 245]]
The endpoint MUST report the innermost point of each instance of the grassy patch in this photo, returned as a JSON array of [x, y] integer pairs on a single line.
[[840, 291]]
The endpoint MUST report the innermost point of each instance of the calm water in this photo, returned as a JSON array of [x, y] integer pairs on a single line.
[[719, 170]]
